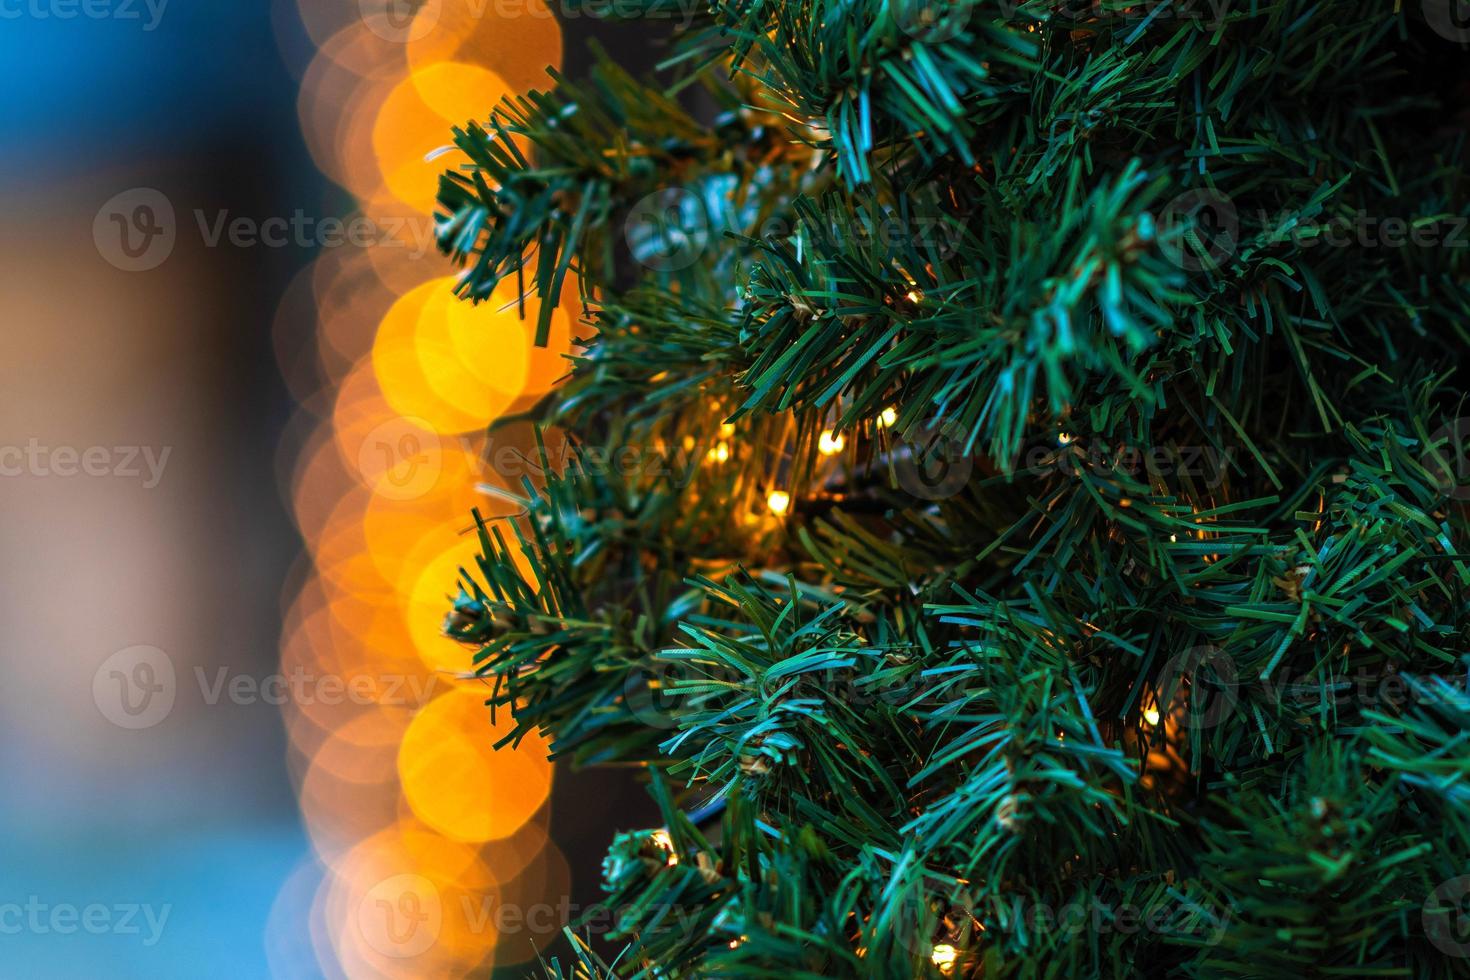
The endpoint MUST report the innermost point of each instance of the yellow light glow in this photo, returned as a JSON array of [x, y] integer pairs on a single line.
[[887, 418], [944, 956], [779, 501], [719, 453], [1065, 438], [1151, 715], [399, 368], [664, 841], [454, 779], [727, 430], [518, 44], [415, 120], [829, 444]]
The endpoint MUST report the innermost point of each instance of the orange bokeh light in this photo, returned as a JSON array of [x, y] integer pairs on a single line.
[[415, 121], [457, 783]]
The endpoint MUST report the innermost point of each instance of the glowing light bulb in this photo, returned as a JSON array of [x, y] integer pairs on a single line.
[[829, 444], [779, 501], [944, 956], [1151, 715], [727, 429], [887, 418], [664, 841], [914, 296], [1064, 438], [719, 453]]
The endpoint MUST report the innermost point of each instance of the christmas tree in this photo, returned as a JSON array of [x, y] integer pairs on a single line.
[[1012, 502]]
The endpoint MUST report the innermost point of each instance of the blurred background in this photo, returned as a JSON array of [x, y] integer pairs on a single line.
[[242, 429]]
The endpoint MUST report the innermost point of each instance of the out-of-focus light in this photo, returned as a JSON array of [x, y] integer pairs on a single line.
[[779, 501], [944, 956], [415, 120], [666, 843], [457, 783], [829, 444]]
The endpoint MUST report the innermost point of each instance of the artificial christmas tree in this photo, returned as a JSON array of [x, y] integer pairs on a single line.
[[1015, 505]]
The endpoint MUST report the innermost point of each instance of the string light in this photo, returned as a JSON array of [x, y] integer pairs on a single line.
[[1151, 715], [944, 956], [829, 444], [727, 430], [719, 453], [665, 842], [779, 501], [1065, 438], [887, 418]]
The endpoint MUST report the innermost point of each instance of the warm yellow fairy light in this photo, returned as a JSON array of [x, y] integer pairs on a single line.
[[829, 444], [779, 501], [1151, 715], [915, 296], [664, 841], [1064, 438], [887, 418], [944, 957], [719, 453], [727, 429]]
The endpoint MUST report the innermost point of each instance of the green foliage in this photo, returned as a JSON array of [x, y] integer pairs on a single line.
[[1135, 638]]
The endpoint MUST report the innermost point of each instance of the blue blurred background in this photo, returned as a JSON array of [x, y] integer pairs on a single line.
[[193, 819], [172, 849]]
